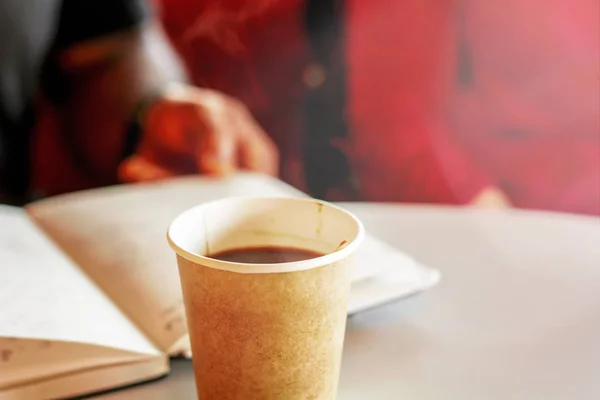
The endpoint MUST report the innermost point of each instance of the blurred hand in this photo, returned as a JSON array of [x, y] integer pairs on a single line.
[[191, 130], [491, 197]]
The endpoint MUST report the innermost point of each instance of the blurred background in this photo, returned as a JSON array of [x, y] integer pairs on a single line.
[[426, 101]]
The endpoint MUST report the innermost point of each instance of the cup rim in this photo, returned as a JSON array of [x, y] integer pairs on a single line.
[[246, 268]]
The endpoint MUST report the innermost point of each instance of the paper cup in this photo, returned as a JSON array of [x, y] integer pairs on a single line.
[[266, 331]]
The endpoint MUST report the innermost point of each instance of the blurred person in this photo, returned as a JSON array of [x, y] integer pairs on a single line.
[[442, 101], [121, 109]]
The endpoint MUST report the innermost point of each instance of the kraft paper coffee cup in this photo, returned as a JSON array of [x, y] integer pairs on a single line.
[[266, 331]]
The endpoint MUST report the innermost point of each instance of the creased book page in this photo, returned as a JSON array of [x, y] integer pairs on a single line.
[[44, 296]]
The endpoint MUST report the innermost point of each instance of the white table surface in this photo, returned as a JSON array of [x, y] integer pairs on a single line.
[[516, 315]]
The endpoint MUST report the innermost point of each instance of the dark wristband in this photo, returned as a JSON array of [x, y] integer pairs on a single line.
[[134, 127]]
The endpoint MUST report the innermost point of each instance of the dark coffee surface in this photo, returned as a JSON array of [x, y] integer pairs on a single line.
[[265, 255]]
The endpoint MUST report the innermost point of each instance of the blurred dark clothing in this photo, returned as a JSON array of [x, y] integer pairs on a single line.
[[31, 33], [424, 100]]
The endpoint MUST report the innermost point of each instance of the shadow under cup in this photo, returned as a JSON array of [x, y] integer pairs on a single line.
[[268, 331]]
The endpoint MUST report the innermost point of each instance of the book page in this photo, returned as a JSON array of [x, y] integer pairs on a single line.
[[118, 236], [85, 381], [24, 362], [43, 296]]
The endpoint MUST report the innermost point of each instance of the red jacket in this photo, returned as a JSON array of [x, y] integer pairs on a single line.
[[445, 97]]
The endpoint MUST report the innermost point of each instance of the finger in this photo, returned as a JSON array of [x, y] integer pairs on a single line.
[[216, 149], [138, 169], [491, 197], [216, 154], [256, 151], [257, 154]]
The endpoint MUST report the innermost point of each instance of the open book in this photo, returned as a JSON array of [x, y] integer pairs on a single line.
[[89, 290]]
